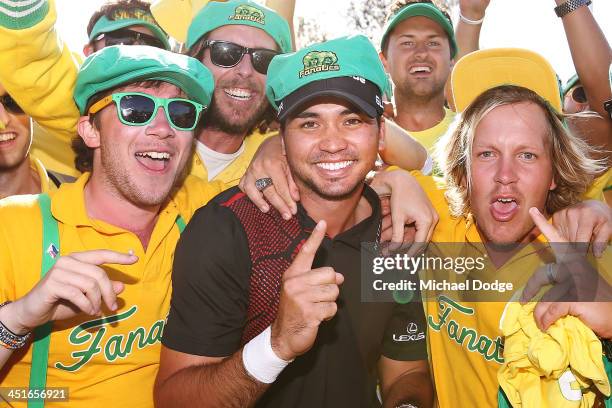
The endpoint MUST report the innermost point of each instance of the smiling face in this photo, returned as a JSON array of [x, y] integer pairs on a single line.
[[330, 147], [140, 163], [418, 58], [15, 136], [239, 99], [511, 171]]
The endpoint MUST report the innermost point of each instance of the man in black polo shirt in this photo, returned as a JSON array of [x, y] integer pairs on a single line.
[[267, 311]]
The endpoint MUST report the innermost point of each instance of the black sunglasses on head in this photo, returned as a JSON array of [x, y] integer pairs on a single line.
[[226, 54], [10, 105], [125, 36]]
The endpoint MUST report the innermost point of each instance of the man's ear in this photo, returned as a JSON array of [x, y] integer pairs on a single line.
[[553, 184], [282, 139], [88, 49], [383, 60], [88, 132]]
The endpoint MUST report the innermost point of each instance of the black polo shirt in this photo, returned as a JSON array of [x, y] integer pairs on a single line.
[[208, 312]]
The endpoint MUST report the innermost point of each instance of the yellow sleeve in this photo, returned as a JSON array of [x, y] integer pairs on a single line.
[[432, 186], [195, 193], [37, 69], [599, 186]]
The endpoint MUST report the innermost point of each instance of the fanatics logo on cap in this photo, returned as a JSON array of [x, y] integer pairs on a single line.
[[319, 61], [250, 13]]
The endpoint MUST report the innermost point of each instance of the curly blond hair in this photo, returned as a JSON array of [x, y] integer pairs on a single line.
[[573, 169]]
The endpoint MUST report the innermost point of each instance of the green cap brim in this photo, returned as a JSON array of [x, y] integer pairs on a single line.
[[104, 25], [353, 57], [425, 10]]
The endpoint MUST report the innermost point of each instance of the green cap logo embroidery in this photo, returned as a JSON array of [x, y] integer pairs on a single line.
[[319, 61], [250, 13], [137, 14]]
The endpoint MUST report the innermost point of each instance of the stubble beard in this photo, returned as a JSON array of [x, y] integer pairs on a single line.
[[120, 181], [236, 123]]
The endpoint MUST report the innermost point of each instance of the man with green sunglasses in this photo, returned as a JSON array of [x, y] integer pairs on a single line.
[[139, 109], [108, 239]]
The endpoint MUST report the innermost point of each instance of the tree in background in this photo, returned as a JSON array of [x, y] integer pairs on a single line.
[[362, 16], [368, 16], [309, 31]]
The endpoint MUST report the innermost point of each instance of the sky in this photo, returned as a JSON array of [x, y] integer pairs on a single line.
[[528, 24]]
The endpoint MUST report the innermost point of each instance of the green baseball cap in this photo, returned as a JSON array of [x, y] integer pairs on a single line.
[[106, 25], [120, 65], [348, 67], [428, 10], [240, 12], [569, 84]]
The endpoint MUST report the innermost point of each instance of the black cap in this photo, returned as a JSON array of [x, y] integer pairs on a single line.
[[360, 92]]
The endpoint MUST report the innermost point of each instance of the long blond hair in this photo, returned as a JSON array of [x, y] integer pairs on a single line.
[[573, 169]]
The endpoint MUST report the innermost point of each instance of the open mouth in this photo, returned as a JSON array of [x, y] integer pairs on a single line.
[[238, 93], [421, 69], [335, 166], [7, 137], [153, 160], [504, 208]]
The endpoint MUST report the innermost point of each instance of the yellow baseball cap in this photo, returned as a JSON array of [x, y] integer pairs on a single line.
[[485, 69], [175, 16]]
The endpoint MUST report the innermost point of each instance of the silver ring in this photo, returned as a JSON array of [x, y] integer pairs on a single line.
[[262, 183], [550, 274]]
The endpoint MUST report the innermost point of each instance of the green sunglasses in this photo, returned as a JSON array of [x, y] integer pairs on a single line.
[[139, 109]]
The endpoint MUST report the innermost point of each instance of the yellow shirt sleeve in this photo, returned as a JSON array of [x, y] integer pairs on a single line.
[[598, 187], [39, 71], [195, 193]]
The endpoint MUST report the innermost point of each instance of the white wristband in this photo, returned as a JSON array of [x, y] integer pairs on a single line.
[[260, 361], [470, 22]]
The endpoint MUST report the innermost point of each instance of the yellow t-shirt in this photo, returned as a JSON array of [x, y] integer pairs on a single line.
[[553, 369], [46, 184], [56, 154], [110, 361], [232, 174], [600, 188], [465, 343], [429, 137]]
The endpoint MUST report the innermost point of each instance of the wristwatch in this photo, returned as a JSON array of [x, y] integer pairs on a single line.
[[569, 6]]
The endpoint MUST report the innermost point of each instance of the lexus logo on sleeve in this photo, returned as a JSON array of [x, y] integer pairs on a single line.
[[414, 334]]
